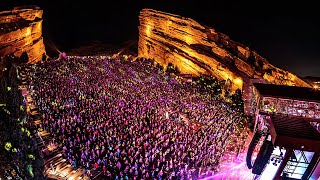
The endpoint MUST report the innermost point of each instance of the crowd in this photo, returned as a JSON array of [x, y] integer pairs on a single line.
[[131, 120]]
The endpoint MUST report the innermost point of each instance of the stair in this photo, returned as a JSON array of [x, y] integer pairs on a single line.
[[63, 169]]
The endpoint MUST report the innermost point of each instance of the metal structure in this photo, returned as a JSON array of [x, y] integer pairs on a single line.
[[289, 118]]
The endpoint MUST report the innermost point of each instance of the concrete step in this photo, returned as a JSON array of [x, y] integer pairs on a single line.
[[55, 157], [37, 122]]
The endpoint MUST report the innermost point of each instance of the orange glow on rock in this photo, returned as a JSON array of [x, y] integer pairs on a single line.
[[23, 39], [238, 82], [188, 39], [148, 30], [197, 49]]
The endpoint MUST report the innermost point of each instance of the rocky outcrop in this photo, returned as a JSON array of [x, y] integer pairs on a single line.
[[21, 31], [197, 49]]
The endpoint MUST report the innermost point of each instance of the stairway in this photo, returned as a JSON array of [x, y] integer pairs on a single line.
[[63, 170]]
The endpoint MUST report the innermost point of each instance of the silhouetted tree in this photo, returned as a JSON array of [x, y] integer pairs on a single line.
[[24, 58], [209, 84], [236, 101], [170, 68], [44, 57]]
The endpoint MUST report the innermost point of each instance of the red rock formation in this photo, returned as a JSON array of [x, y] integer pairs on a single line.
[[21, 30], [197, 49]]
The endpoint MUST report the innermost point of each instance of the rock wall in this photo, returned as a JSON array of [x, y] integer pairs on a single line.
[[21, 30], [197, 49]]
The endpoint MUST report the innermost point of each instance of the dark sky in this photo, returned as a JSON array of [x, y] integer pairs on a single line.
[[288, 35]]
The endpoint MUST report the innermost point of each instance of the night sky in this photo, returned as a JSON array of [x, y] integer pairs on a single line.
[[288, 35]]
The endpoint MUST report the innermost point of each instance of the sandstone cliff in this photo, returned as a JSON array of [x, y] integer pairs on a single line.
[[197, 49], [21, 31]]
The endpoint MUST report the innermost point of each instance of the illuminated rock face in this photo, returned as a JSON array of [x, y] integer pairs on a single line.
[[21, 30], [197, 49]]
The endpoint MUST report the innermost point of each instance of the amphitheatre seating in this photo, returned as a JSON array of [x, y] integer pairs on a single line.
[[76, 104]]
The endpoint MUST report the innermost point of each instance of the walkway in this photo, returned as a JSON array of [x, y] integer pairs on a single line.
[[63, 170]]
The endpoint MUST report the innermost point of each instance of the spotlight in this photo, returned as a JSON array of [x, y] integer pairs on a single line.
[[63, 55]]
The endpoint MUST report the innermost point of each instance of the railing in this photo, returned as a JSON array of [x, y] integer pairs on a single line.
[[290, 107]]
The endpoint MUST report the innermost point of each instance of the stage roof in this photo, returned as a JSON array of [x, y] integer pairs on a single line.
[[294, 132], [288, 92]]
